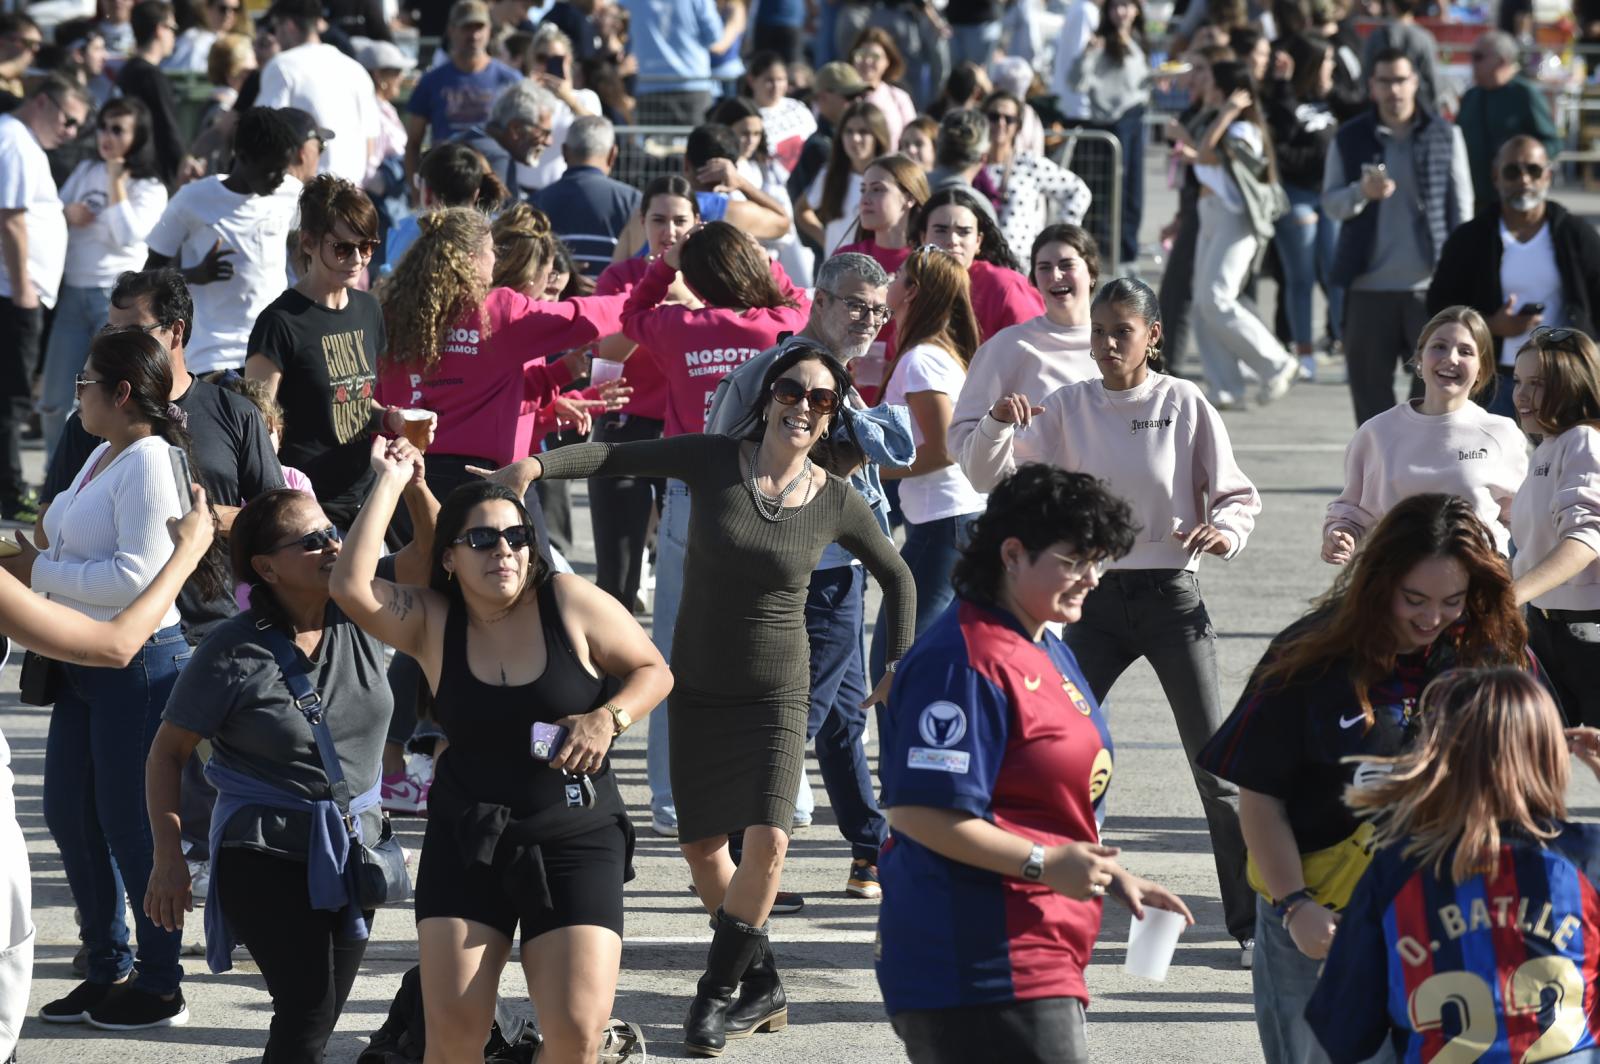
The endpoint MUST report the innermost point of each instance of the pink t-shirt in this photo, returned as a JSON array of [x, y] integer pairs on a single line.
[[478, 387], [1001, 298], [643, 368], [697, 348]]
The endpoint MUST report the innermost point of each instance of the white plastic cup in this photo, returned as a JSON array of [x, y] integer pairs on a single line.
[[602, 370], [1151, 943]]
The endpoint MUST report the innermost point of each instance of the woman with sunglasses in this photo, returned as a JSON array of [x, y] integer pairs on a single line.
[[1032, 188], [275, 884], [892, 189], [1001, 296], [1555, 517], [533, 675], [764, 507], [113, 200], [1156, 442]]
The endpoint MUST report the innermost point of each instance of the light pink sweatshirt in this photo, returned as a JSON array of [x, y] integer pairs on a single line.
[[1479, 456], [1032, 358], [1160, 446], [1561, 500]]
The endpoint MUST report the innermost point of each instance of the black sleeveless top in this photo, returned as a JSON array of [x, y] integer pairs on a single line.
[[488, 761]]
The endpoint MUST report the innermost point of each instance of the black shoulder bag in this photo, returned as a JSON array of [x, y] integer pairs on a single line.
[[380, 870]]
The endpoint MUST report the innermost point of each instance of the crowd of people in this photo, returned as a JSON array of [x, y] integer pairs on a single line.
[[312, 370]]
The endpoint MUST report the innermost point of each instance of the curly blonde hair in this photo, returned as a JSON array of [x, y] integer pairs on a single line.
[[434, 285], [524, 246]]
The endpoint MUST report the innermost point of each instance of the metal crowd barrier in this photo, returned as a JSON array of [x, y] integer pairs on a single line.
[[648, 152], [1096, 157]]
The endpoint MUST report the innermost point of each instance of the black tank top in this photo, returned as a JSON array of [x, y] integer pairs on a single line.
[[490, 728]]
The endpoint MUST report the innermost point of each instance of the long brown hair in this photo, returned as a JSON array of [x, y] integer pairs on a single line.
[[1569, 366], [1358, 621], [904, 172], [837, 179], [524, 245], [726, 269], [435, 283], [1482, 339], [1491, 751], [941, 309]]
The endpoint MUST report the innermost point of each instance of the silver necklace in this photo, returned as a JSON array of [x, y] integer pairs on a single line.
[[772, 508]]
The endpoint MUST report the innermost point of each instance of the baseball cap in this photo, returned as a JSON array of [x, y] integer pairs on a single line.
[[464, 12], [384, 55], [304, 125], [835, 77]]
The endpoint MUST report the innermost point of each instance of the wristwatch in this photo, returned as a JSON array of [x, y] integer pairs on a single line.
[[1033, 867], [619, 718]]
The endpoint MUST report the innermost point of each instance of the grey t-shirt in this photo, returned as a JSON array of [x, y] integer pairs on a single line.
[[233, 693]]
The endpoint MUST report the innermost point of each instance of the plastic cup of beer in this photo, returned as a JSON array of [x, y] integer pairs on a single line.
[[1151, 943], [417, 426]]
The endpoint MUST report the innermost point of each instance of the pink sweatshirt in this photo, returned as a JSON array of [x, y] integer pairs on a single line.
[[643, 368], [1479, 456], [1001, 298], [697, 348], [1033, 359], [1561, 500], [477, 388], [1160, 446]]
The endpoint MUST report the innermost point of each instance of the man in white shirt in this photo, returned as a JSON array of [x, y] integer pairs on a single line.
[[33, 253], [229, 236], [322, 80]]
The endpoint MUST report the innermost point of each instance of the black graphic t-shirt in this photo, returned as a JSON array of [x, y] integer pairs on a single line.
[[327, 358]]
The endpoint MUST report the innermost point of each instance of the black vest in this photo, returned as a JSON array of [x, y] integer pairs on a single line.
[[1432, 146]]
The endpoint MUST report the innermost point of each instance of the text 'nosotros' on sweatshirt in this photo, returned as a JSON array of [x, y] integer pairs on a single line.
[[696, 348], [1560, 500], [1033, 359], [478, 386], [1160, 447], [1402, 452]]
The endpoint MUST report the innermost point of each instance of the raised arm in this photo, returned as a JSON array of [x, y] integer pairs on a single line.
[[988, 455], [679, 457]]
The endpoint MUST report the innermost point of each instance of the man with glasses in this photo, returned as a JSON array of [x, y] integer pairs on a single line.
[[324, 82], [1397, 178], [155, 33], [1500, 105], [20, 41], [518, 130], [33, 254], [1527, 262], [846, 315]]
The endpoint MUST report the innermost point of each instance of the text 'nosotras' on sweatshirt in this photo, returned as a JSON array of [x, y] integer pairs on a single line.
[[1160, 447], [1481, 457], [1561, 500]]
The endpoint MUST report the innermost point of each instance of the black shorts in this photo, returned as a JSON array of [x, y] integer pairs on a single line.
[[584, 874]]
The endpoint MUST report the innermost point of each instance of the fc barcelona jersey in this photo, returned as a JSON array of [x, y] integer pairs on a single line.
[[1499, 969]]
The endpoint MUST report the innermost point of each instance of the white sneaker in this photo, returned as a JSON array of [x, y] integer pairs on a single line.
[[199, 880], [1227, 401], [665, 826], [1308, 367], [1277, 386]]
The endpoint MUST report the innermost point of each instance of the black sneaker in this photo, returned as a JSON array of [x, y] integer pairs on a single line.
[[135, 1010], [787, 902], [74, 1008]]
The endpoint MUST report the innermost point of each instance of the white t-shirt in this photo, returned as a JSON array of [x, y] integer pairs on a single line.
[[1529, 271], [1216, 177], [837, 232], [114, 242], [256, 227], [944, 492], [26, 185], [337, 91]]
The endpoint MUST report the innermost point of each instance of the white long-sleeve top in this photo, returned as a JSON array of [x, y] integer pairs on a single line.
[[1031, 358], [108, 534], [1402, 452], [1160, 447], [1560, 500], [98, 253]]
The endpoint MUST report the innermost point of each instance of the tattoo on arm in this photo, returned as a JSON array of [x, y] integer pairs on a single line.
[[401, 603]]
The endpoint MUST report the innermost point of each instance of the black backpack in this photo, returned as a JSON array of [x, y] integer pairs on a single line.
[[401, 1039]]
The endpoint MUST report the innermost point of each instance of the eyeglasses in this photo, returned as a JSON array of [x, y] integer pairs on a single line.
[[485, 538], [80, 383], [540, 134], [1002, 119], [68, 123], [789, 392], [1512, 171], [32, 44], [861, 311], [312, 542], [112, 330], [343, 250], [173, 26], [121, 131], [1079, 568]]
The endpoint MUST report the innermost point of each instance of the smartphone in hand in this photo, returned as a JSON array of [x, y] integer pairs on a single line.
[[1528, 310], [180, 475]]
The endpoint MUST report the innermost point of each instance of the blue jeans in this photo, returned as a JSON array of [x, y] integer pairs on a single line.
[[1306, 238], [672, 538], [834, 620], [1129, 130], [80, 312], [100, 734], [930, 552], [974, 43]]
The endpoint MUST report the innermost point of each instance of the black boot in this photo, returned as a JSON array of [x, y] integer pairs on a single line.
[[762, 1004], [732, 949]]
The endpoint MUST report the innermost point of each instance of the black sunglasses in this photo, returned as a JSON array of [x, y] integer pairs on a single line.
[[485, 538], [1512, 171], [1002, 119], [1547, 334], [789, 392], [311, 542]]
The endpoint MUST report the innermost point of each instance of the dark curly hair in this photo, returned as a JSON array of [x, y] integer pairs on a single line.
[[1042, 505]]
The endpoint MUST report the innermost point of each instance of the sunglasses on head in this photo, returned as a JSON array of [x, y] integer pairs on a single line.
[[345, 249], [485, 538], [312, 542], [789, 392], [1512, 171], [1546, 334]]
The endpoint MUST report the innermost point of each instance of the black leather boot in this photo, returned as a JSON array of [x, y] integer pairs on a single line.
[[733, 948], [762, 1004]]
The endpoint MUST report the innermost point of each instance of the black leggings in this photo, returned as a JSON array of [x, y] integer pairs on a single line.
[[308, 970]]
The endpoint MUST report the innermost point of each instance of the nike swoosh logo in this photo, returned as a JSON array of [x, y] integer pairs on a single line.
[[1032, 682], [1351, 722]]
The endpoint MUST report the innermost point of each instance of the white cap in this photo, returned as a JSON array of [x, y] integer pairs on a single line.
[[383, 55]]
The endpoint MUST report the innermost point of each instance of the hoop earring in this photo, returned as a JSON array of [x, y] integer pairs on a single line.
[[824, 433]]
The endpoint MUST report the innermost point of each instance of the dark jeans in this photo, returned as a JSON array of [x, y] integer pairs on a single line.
[[1158, 615], [930, 552], [1041, 1031], [1129, 129], [619, 510], [100, 734], [308, 969], [21, 331], [1380, 330], [1567, 644], [787, 41], [834, 619], [671, 108], [1177, 282]]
